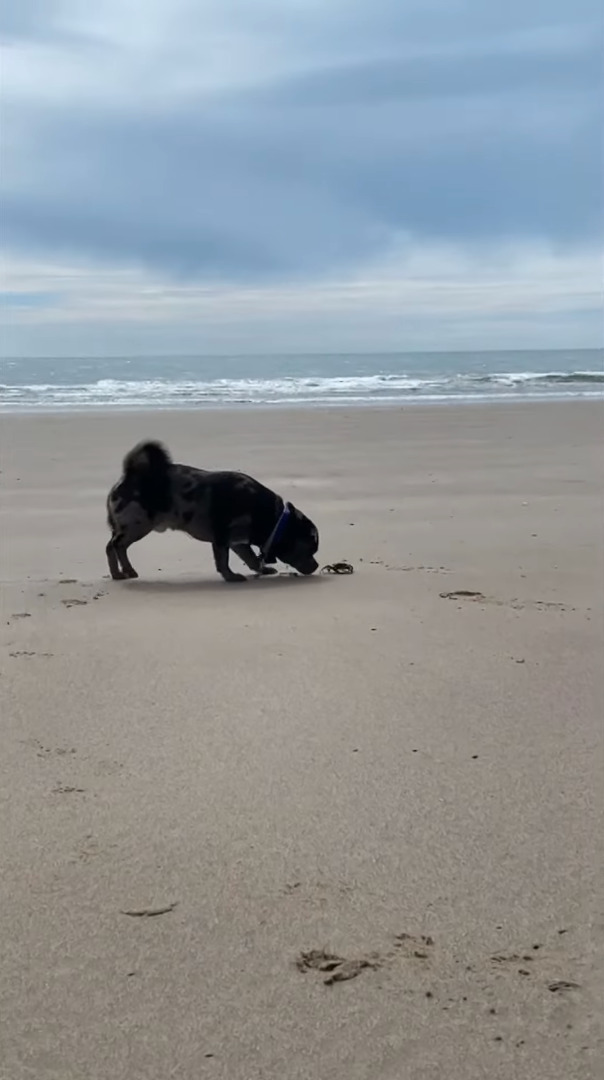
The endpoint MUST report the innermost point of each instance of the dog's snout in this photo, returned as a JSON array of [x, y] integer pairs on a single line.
[[309, 567]]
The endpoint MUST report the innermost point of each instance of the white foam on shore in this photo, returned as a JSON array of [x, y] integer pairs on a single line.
[[345, 390]]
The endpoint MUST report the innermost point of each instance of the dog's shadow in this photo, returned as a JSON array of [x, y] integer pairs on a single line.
[[252, 584]]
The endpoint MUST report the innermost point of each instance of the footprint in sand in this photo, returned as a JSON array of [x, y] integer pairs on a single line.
[[335, 968], [60, 751], [518, 605], [418, 947], [462, 594], [25, 652], [423, 569], [514, 960], [44, 751]]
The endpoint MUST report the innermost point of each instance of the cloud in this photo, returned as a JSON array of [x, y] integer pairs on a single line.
[[425, 297], [292, 143]]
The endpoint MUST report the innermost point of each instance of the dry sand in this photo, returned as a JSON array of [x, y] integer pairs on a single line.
[[307, 764]]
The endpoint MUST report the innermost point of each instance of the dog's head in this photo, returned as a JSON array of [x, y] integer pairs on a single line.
[[298, 543]]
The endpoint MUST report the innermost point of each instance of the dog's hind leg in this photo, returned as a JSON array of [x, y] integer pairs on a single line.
[[249, 557], [114, 566], [122, 541]]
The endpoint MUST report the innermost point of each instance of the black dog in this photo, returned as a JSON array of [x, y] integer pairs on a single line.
[[227, 509]]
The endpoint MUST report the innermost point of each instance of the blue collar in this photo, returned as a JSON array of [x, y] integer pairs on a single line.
[[276, 534]]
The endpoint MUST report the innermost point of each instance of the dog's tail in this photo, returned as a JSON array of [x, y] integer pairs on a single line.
[[147, 458], [148, 466]]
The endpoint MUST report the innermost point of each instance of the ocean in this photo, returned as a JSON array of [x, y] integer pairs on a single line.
[[182, 382]]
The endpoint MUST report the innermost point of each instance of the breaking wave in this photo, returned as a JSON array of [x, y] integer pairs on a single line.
[[301, 390]]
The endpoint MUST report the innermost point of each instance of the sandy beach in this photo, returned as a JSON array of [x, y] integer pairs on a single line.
[[402, 768]]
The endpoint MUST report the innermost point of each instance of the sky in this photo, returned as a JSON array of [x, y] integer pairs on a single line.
[[222, 176]]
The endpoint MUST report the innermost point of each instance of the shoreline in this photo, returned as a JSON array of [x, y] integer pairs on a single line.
[[320, 406]]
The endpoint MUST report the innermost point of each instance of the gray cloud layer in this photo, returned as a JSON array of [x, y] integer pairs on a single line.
[[453, 122]]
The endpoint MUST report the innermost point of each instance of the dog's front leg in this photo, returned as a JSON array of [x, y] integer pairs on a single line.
[[249, 557], [221, 558]]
